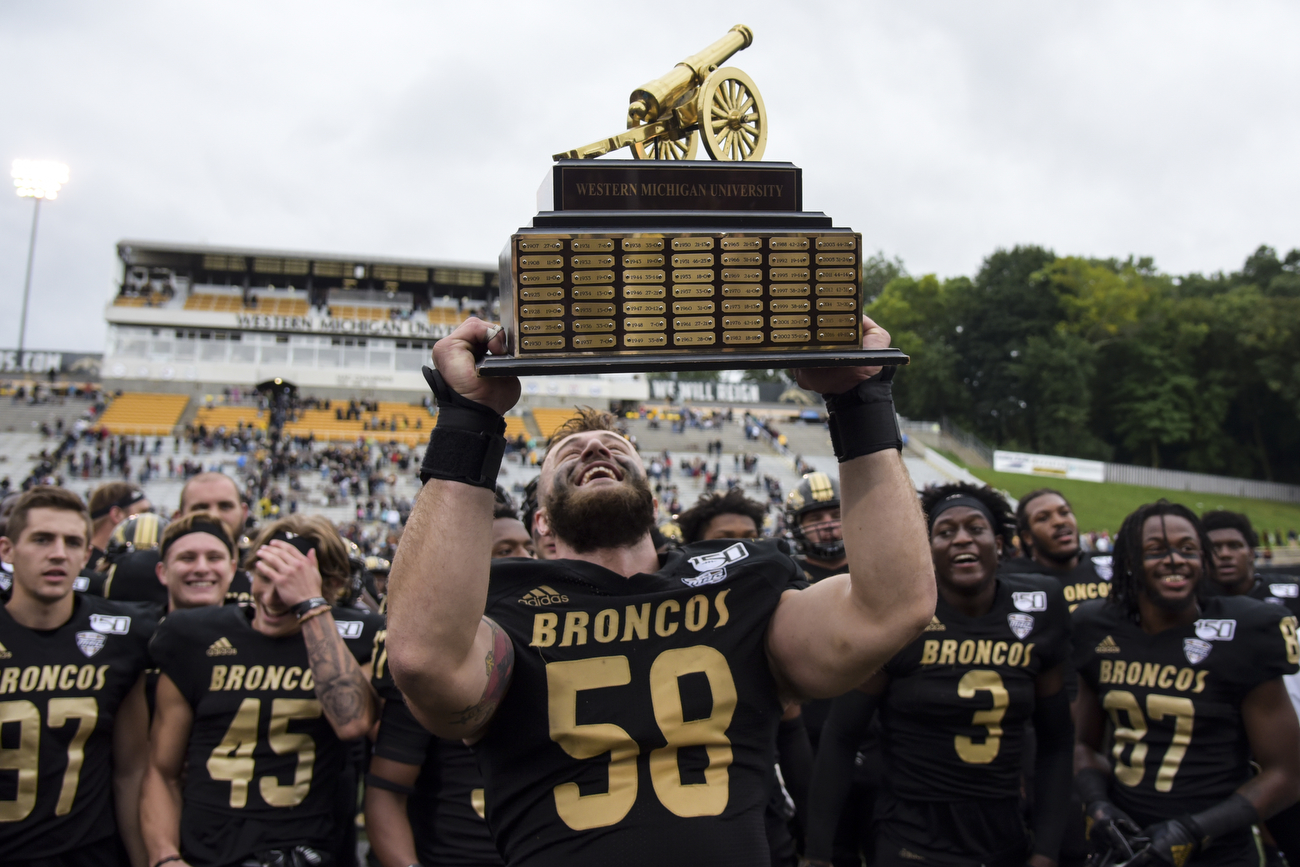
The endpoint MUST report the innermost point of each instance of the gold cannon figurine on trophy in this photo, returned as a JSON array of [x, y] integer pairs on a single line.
[[665, 118]]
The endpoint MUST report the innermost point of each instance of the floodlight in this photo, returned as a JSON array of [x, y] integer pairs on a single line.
[[39, 179]]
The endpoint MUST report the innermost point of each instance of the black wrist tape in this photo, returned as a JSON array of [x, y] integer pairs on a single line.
[[388, 785], [1234, 813], [309, 605], [1092, 786], [468, 442], [862, 420]]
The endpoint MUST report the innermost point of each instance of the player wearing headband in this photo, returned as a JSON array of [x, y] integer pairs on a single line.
[[254, 706], [73, 720], [197, 561], [1192, 684], [218, 494], [111, 504], [953, 706]]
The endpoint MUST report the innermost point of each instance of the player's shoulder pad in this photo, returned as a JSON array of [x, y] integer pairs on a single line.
[[1031, 592], [357, 623], [1250, 613], [769, 558], [509, 575], [141, 618], [1094, 614]]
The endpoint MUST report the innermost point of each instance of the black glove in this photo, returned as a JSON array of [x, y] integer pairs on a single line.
[[1108, 825], [1172, 844]]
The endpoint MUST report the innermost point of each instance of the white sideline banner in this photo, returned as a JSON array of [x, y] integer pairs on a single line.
[[1052, 466]]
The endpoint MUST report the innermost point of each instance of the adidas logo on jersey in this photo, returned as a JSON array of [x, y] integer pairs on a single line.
[[5, 652], [934, 625], [1107, 645], [543, 595], [222, 647]]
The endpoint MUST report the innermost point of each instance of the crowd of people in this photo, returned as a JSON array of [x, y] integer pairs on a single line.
[[889, 678]]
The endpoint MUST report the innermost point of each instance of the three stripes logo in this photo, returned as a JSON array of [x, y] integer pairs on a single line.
[[5, 652], [222, 647], [543, 595], [1107, 645], [935, 626]]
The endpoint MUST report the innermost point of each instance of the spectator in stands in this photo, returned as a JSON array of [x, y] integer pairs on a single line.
[[110, 505]]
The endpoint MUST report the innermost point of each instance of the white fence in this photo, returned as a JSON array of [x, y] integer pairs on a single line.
[[1177, 480]]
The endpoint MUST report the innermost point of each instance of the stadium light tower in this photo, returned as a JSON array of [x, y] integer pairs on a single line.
[[35, 179]]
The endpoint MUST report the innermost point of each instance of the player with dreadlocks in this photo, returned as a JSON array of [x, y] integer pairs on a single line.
[[1193, 686], [953, 706]]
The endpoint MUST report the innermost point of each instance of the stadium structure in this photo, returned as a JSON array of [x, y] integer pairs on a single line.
[[189, 319]]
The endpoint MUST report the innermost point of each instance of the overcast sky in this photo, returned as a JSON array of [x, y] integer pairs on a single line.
[[940, 130]]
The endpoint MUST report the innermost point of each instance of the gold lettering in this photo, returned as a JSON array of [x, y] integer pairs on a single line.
[[1103, 590], [291, 677], [984, 652], [31, 674], [697, 613], [662, 627], [1150, 671], [575, 628], [966, 652], [274, 674], [606, 629], [723, 614], [1200, 681], [9, 681], [999, 653], [638, 622], [253, 679], [308, 679], [544, 629], [1134, 674], [1104, 676], [1016, 654], [85, 677], [68, 678], [1117, 676], [49, 677], [1166, 678], [1029, 648], [948, 652], [929, 652], [218, 678], [99, 676], [235, 680], [1185, 678], [1070, 594]]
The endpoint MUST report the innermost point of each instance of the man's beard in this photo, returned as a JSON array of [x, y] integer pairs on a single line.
[[1061, 558], [603, 517]]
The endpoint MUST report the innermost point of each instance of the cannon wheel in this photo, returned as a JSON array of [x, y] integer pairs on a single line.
[[733, 120], [664, 148]]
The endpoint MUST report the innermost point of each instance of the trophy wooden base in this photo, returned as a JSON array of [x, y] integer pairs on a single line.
[[657, 362]]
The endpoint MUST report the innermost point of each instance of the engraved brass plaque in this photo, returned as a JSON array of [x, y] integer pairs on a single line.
[[637, 341], [837, 289], [542, 293], [538, 344], [788, 259], [593, 309], [692, 323], [645, 323], [537, 278], [785, 290], [754, 306], [540, 245], [692, 243], [595, 341], [743, 290], [579, 278], [795, 274], [693, 260], [592, 261], [743, 276], [788, 322], [742, 258], [547, 326], [787, 243], [837, 304], [643, 260], [742, 243], [592, 245], [831, 275], [837, 242], [643, 276], [742, 338], [541, 311], [643, 291], [693, 276], [642, 244], [644, 308], [827, 259], [742, 322], [788, 305], [592, 293], [791, 336], [589, 325], [541, 261], [695, 338], [686, 307], [836, 335], [836, 320], [697, 290]]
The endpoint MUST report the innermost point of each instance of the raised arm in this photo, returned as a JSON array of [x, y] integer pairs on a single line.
[[451, 662], [827, 639]]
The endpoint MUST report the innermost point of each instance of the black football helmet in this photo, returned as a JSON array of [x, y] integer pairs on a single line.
[[815, 491]]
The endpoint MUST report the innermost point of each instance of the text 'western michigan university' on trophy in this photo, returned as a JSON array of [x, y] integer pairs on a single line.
[[664, 263]]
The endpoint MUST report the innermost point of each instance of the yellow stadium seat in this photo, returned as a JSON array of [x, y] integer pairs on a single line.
[[144, 414]]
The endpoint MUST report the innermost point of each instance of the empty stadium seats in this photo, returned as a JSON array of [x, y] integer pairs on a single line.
[[229, 417], [323, 424], [548, 418], [144, 414], [358, 311], [268, 305]]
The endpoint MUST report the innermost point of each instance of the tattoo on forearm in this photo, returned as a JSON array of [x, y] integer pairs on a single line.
[[345, 694], [500, 663]]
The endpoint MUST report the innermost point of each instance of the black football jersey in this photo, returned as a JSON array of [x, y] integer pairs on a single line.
[[263, 761], [1277, 589], [240, 591], [1175, 701], [640, 723], [953, 717], [1090, 579], [60, 690], [446, 811]]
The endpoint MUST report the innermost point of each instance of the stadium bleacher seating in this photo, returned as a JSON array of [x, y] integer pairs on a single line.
[[548, 418], [229, 417], [152, 300], [323, 424], [357, 311], [515, 427], [445, 316], [144, 414], [228, 303]]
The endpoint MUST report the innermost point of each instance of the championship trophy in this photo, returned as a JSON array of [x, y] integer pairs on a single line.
[[662, 263]]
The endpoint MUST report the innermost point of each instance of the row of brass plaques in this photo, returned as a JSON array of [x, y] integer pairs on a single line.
[[691, 291]]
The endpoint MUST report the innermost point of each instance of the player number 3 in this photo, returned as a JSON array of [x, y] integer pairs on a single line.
[[565, 680]]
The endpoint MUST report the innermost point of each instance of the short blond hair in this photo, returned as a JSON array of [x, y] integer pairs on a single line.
[[331, 553], [586, 419]]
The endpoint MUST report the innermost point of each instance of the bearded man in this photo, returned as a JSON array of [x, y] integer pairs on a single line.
[[624, 704]]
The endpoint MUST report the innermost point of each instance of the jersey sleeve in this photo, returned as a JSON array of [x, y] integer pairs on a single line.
[[1271, 645], [175, 650], [358, 629], [381, 678], [1087, 631], [401, 738], [1059, 646]]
